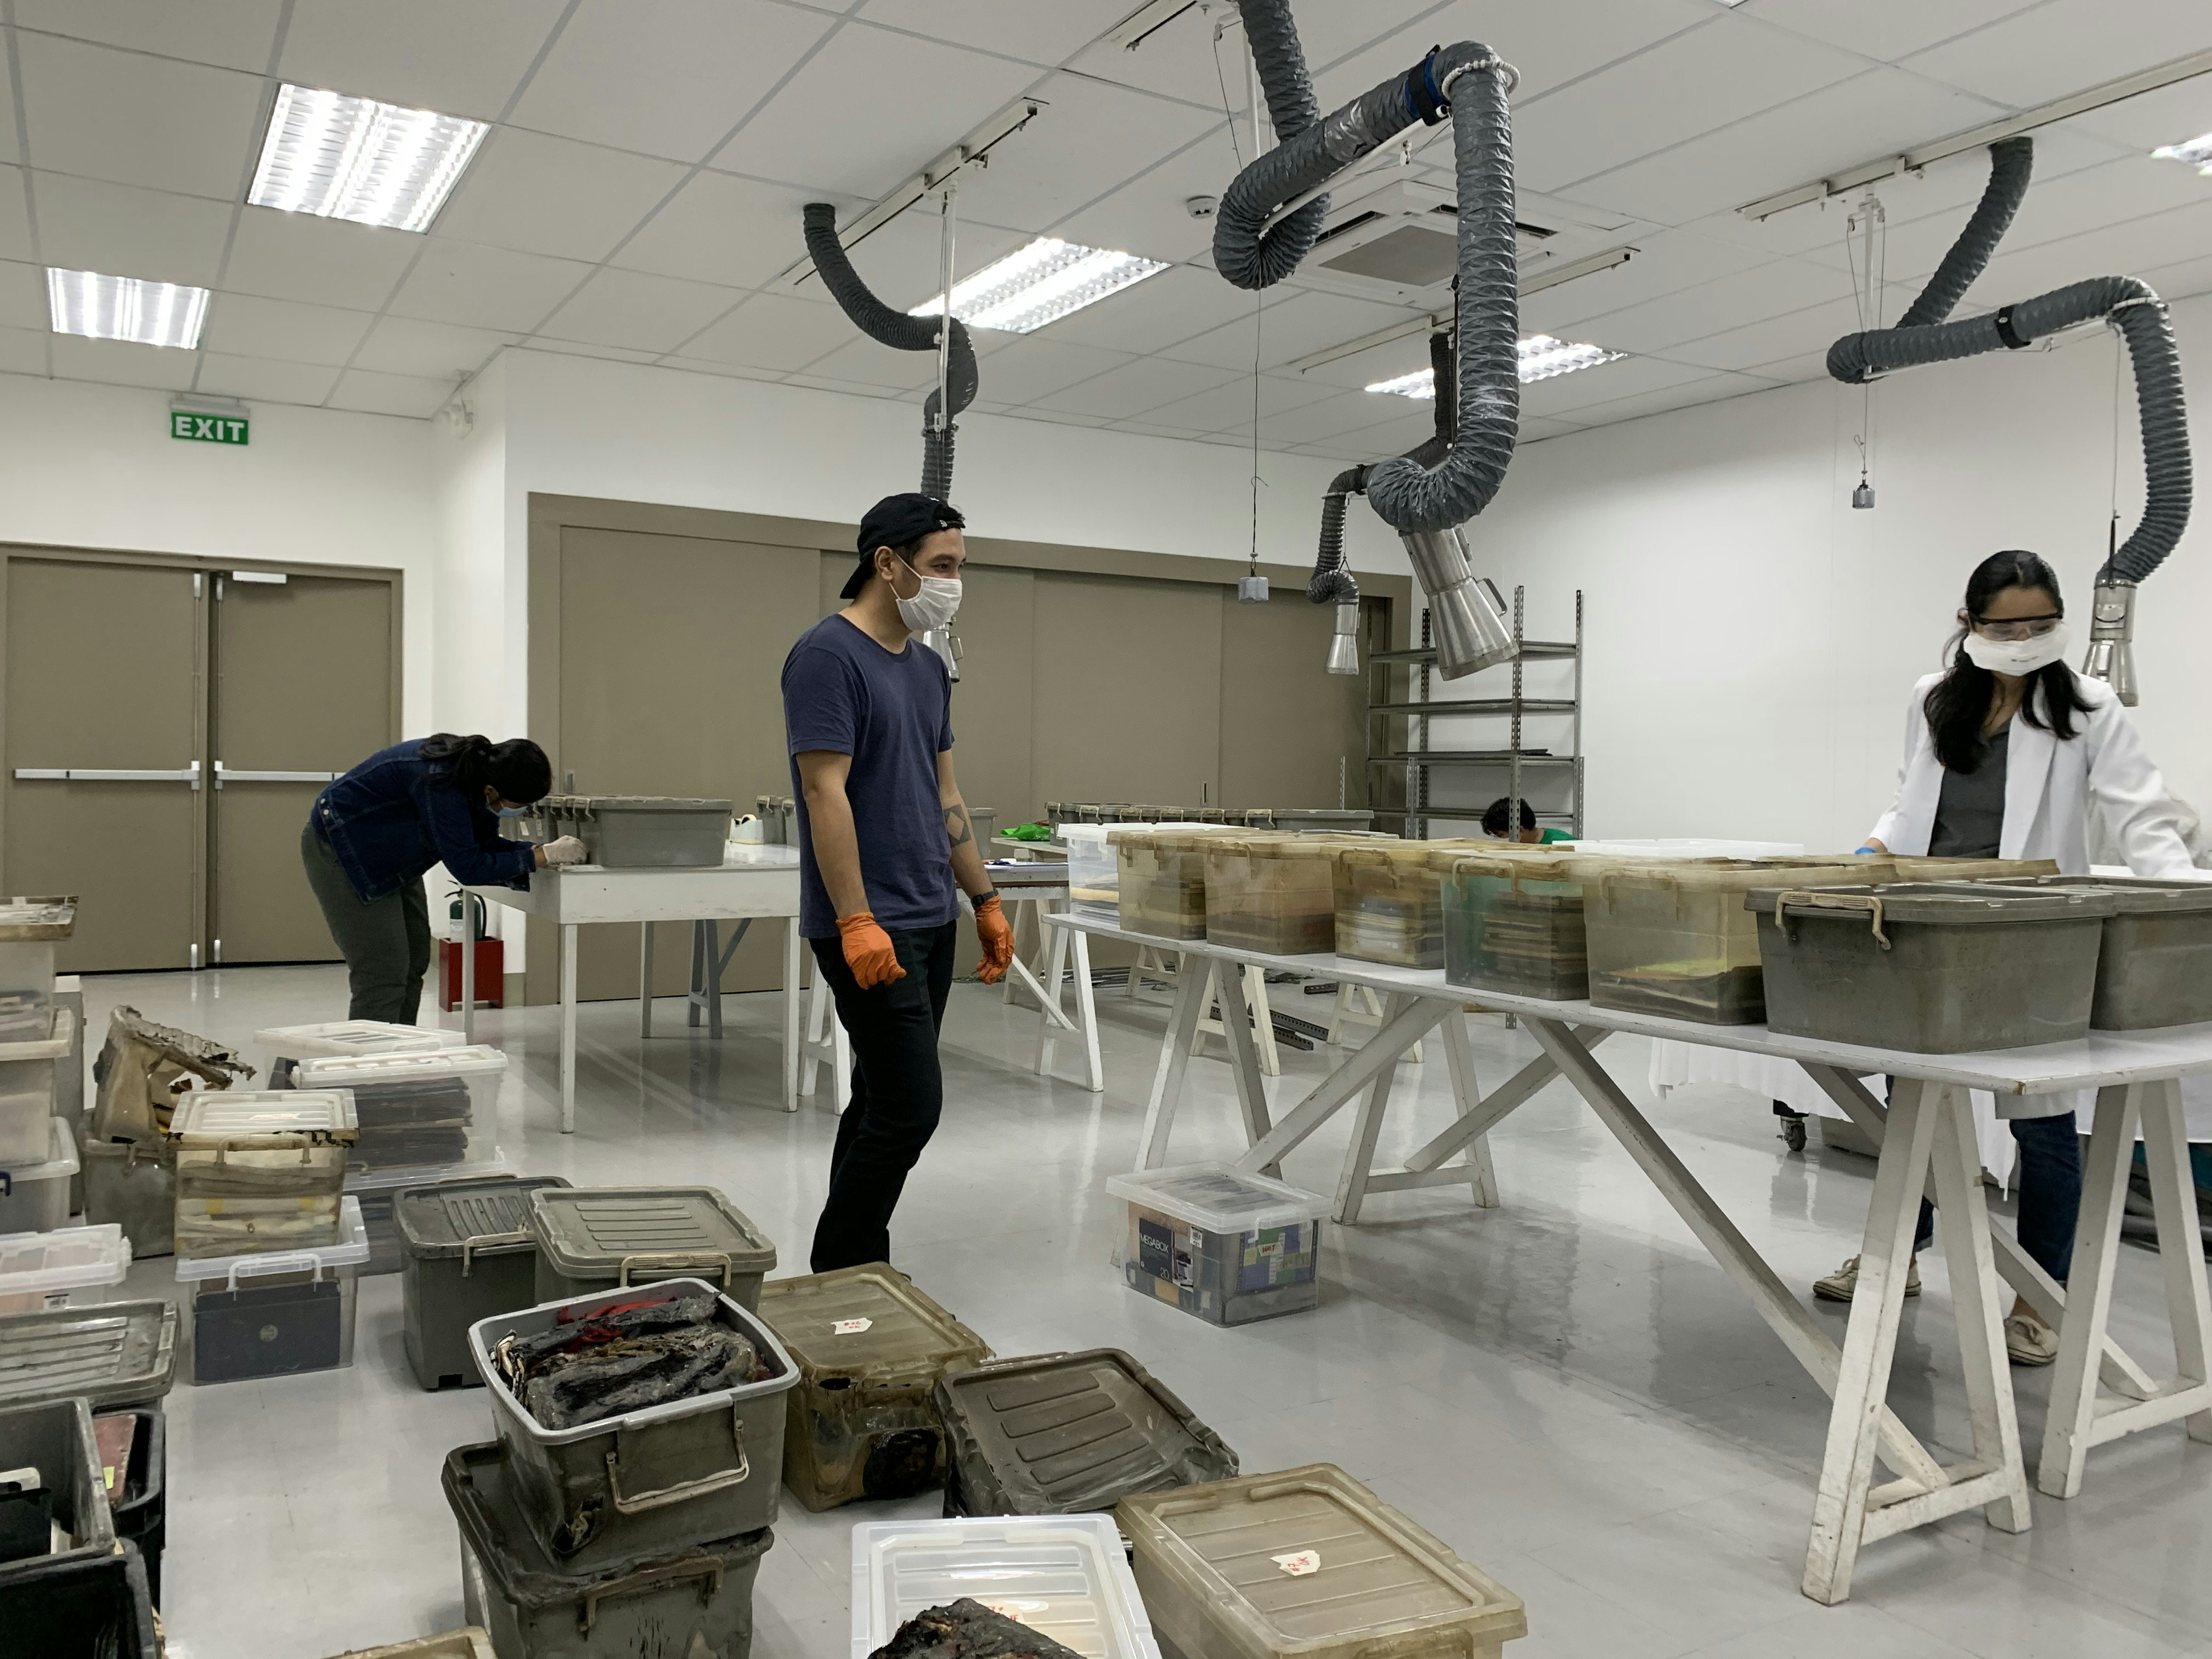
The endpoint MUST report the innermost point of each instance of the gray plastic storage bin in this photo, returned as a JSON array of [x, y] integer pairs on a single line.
[[601, 1238], [67, 1607], [604, 1493], [2155, 962], [1931, 969], [132, 1183], [56, 1440], [1068, 1434], [642, 832], [467, 1257], [113, 1354], [693, 1603]]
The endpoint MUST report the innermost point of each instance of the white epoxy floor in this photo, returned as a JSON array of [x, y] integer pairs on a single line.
[[1565, 1389]]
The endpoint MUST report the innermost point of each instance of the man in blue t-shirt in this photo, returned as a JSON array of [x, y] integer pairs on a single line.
[[884, 838]]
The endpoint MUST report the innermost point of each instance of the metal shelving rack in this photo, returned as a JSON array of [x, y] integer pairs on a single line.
[[1419, 759]]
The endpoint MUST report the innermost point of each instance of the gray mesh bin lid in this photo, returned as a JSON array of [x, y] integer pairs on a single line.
[[1954, 904], [110, 1354], [488, 1215], [589, 1232]]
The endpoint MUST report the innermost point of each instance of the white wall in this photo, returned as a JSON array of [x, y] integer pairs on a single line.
[[1753, 641], [95, 466]]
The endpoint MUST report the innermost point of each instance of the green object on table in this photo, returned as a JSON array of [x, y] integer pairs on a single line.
[[1028, 832]]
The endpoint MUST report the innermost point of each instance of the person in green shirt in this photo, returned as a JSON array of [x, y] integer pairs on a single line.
[[1500, 813]]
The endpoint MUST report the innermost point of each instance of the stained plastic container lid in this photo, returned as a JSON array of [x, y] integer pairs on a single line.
[[55, 1046], [1064, 1576], [588, 1232], [350, 1251], [488, 1216], [856, 1318], [350, 1071], [112, 1353], [469, 1641], [1967, 904], [1218, 1198], [2131, 894], [380, 1180], [69, 1259], [28, 920], [352, 1037], [59, 1163], [211, 1115], [1309, 1562]]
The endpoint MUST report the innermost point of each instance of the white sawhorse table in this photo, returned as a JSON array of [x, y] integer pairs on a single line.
[[753, 882], [1926, 1139]]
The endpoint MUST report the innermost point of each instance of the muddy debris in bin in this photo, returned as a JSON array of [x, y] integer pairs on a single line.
[[968, 1629], [626, 1359]]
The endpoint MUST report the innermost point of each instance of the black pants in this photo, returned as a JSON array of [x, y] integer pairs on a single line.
[[897, 1091], [386, 942]]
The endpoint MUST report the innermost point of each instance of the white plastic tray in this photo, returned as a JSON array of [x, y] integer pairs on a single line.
[[39, 1271], [1064, 1576], [221, 1114], [352, 1037], [347, 1071]]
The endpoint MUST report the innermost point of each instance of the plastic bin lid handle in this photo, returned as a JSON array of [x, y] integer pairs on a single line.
[[684, 1491], [487, 1241], [1869, 902], [675, 1259], [293, 1261], [703, 1567]]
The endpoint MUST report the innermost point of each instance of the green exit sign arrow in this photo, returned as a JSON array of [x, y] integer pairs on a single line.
[[207, 429]]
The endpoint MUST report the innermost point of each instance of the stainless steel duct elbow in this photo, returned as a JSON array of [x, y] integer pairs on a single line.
[[1344, 644], [940, 641], [2111, 656], [1466, 619]]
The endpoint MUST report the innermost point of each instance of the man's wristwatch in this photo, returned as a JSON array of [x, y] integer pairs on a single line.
[[975, 900]]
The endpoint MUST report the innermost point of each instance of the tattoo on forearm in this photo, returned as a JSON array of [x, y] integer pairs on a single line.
[[957, 828]]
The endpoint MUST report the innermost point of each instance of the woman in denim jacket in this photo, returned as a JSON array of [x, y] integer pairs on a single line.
[[372, 834]]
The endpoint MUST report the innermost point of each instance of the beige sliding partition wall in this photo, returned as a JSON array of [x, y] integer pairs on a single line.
[[657, 636]]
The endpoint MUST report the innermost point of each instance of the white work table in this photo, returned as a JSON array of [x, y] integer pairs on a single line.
[[1926, 1139], [751, 882]]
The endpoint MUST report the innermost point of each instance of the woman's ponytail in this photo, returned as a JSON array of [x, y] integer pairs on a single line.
[[516, 770]]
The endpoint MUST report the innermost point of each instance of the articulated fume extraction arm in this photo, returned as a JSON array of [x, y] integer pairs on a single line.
[[1425, 496], [1924, 336]]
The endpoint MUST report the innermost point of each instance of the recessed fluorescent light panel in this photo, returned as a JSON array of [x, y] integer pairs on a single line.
[[341, 157], [1041, 284], [2195, 152], [1541, 357], [125, 308]]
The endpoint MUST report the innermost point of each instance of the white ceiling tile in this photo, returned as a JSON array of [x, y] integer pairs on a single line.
[[900, 262], [1887, 29], [2147, 120], [554, 195], [231, 33], [1033, 365], [849, 388], [1093, 138], [437, 351], [389, 394], [1148, 215], [2125, 189], [1535, 430], [2048, 50], [1041, 35], [1137, 388], [298, 256], [1177, 60], [1228, 406], [864, 361], [1292, 326], [1703, 78], [1805, 333], [244, 326], [14, 218], [668, 77], [1806, 366], [150, 121], [1727, 302], [1060, 417], [1606, 383], [2142, 244], [702, 366], [485, 287], [639, 311], [1666, 263], [1363, 368], [881, 133], [1547, 43], [23, 351], [1343, 414], [2183, 279], [118, 363], [425, 54], [1706, 391], [586, 349], [778, 331], [260, 378], [1174, 305], [88, 225], [23, 297], [721, 229], [1881, 112]]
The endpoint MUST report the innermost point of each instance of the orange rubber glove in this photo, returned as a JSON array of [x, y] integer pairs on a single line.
[[868, 950], [997, 934]]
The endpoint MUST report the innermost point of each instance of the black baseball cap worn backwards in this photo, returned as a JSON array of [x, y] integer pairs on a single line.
[[898, 521]]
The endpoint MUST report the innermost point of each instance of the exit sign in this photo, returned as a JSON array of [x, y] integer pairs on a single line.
[[207, 429]]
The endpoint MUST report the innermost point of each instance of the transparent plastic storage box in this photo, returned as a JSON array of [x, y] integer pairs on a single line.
[[420, 1115], [1064, 1577], [1276, 894], [260, 1172], [1307, 1564], [1390, 904], [29, 1075], [29, 930], [1094, 873], [1214, 1240], [70, 1268], [1160, 880], [345, 1039], [34, 1198], [270, 1314]]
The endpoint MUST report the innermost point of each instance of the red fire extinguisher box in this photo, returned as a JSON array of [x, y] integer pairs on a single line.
[[491, 968]]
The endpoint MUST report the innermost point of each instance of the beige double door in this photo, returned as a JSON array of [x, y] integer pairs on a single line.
[[165, 730]]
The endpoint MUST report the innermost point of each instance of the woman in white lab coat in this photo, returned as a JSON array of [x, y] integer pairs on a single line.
[[2004, 753]]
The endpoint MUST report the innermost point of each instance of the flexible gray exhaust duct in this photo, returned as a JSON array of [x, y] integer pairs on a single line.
[[2128, 304], [1471, 84], [903, 333]]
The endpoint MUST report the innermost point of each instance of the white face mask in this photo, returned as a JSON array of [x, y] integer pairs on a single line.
[[2018, 657], [935, 606]]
